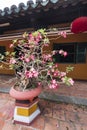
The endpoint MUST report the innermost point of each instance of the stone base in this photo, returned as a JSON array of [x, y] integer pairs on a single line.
[[25, 113], [26, 120]]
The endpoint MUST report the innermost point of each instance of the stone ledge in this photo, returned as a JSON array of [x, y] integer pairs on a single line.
[[4, 89], [63, 98]]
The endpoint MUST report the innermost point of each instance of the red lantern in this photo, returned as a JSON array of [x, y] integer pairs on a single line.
[[79, 25]]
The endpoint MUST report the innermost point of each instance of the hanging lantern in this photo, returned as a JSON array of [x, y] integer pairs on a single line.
[[79, 25]]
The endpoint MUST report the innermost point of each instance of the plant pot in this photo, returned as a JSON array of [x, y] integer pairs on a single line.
[[26, 105], [25, 95]]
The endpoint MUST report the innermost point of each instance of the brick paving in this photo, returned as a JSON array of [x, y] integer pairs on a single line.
[[54, 116]]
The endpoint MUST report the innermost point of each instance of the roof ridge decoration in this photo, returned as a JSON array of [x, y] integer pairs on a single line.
[[37, 5], [33, 4]]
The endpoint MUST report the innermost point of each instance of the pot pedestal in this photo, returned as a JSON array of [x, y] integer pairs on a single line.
[[25, 111]]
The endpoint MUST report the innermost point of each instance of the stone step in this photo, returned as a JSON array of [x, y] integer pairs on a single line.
[[63, 98]]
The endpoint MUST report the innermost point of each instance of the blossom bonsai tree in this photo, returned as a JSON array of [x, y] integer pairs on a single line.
[[33, 66]]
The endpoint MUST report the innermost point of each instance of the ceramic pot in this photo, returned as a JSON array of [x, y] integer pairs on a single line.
[[25, 95]]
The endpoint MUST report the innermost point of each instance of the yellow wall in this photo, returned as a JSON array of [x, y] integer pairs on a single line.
[[80, 70], [6, 43]]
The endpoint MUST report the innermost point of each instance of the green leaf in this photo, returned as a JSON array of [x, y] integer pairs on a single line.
[[1, 57], [69, 68], [46, 40], [25, 34], [42, 31], [7, 53], [13, 53], [11, 67], [15, 41]]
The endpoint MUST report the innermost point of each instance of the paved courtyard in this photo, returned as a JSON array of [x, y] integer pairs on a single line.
[[54, 116]]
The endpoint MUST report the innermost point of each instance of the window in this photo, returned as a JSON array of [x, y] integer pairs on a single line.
[[2, 50], [76, 52], [81, 53]]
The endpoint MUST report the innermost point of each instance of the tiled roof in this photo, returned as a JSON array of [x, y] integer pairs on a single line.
[[45, 5], [41, 15]]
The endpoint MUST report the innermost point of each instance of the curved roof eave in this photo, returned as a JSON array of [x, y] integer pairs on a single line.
[[39, 5]]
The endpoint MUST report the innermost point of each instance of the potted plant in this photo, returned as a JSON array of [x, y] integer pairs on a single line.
[[34, 67]]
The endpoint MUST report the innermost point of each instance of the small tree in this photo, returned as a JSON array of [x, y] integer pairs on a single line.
[[33, 66]]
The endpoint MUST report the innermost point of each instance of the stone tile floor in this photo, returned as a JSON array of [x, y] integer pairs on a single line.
[[54, 116]]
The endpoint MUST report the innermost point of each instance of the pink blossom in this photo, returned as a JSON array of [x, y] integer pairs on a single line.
[[63, 33], [22, 57], [39, 35], [56, 73], [48, 73], [47, 57], [27, 60], [39, 83], [37, 40], [65, 54], [63, 80], [61, 51], [52, 70], [53, 81], [31, 37], [43, 62], [28, 74], [32, 57], [35, 73], [31, 46], [56, 65], [26, 45], [54, 52], [53, 84], [11, 45], [62, 74], [46, 44], [12, 61], [71, 81]]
